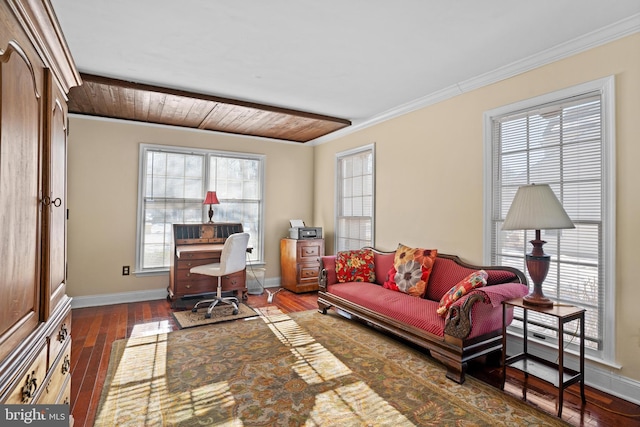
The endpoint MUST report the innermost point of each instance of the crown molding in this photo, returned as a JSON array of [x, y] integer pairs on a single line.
[[564, 50]]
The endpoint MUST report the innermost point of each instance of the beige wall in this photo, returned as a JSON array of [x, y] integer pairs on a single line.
[[103, 191], [429, 167]]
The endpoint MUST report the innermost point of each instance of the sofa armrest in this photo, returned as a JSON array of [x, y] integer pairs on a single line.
[[327, 272], [503, 292], [459, 322]]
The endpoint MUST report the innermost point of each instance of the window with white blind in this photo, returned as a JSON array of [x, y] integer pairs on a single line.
[[355, 180], [172, 185], [563, 139]]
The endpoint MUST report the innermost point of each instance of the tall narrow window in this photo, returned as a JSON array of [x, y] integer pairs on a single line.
[[560, 140], [355, 198], [173, 182]]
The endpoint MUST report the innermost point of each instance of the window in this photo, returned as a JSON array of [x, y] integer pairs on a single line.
[[565, 140], [355, 198], [173, 182]]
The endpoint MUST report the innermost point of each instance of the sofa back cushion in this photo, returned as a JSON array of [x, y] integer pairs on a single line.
[[383, 263], [497, 277], [445, 275]]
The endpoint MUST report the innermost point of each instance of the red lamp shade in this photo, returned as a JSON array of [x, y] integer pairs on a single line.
[[211, 199]]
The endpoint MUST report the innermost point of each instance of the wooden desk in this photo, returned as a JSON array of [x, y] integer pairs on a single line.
[[199, 244], [553, 373]]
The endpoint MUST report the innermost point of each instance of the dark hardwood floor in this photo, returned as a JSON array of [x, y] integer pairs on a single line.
[[94, 330]]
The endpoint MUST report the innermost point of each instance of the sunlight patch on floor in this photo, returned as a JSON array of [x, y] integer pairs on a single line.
[[355, 404], [151, 328]]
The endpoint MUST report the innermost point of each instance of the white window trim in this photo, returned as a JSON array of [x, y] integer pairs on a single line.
[[142, 164], [369, 147], [606, 87]]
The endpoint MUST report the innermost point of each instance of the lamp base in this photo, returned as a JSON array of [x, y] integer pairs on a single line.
[[537, 300]]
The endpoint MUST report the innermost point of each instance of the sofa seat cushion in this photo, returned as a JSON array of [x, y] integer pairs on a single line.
[[417, 312]]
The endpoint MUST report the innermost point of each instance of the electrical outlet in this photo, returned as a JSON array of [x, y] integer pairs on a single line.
[[125, 270]]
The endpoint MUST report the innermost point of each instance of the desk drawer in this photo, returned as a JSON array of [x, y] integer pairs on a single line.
[[309, 250], [308, 272], [190, 287], [214, 256], [190, 263]]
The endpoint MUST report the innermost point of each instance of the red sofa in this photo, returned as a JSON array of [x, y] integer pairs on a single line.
[[472, 327]]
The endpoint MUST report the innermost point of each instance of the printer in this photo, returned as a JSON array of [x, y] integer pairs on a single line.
[[300, 231], [305, 233]]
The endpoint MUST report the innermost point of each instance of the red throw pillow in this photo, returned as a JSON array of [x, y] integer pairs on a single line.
[[412, 270], [472, 281], [355, 266]]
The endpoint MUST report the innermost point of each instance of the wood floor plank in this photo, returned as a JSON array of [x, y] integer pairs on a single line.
[[95, 329]]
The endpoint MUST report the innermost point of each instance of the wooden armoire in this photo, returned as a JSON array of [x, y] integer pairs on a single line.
[[36, 73]]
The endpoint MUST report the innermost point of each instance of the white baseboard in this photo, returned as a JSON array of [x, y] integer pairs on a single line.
[[596, 375], [137, 296], [118, 298]]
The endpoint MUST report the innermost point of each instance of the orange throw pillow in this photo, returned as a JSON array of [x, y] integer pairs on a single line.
[[412, 270]]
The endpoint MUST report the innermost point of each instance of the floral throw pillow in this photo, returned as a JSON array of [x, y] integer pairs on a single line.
[[411, 270], [355, 266], [472, 281]]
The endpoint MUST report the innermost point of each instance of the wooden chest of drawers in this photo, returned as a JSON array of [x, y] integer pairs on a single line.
[[300, 264]]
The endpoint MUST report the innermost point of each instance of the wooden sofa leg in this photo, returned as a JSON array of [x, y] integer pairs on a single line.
[[323, 307], [456, 373], [455, 370]]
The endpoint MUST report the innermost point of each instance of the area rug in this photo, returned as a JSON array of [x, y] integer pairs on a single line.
[[301, 369], [220, 313]]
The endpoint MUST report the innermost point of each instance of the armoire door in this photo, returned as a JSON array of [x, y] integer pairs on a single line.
[[55, 191], [21, 83]]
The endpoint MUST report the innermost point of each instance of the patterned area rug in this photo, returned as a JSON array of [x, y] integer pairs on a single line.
[[220, 313], [302, 369]]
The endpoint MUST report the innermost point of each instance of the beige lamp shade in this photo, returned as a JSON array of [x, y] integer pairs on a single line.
[[536, 207]]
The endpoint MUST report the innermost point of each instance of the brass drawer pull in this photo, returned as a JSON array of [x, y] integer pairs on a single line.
[[30, 387], [64, 333], [66, 365]]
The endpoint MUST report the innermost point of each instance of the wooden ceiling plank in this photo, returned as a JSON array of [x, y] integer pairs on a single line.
[[101, 96]]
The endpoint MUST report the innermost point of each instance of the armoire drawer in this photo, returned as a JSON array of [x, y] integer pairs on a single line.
[[57, 377], [26, 389], [59, 338]]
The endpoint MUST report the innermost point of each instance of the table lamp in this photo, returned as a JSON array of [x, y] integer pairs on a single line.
[[536, 207], [211, 199]]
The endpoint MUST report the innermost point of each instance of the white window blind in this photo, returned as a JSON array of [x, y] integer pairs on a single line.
[[560, 143], [173, 182], [355, 198]]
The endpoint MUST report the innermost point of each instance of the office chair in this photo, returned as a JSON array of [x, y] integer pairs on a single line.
[[232, 259]]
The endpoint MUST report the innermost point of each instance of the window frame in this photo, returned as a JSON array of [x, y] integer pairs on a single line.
[[144, 148], [606, 88], [339, 157]]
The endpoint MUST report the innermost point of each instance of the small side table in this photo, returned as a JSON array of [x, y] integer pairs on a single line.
[[553, 373]]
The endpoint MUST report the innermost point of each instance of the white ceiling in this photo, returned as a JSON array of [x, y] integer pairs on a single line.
[[353, 59]]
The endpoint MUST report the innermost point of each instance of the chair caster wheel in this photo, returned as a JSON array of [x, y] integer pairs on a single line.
[[235, 312], [207, 316], [194, 310]]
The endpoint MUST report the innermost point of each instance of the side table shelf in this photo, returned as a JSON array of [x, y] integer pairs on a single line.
[[553, 373]]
